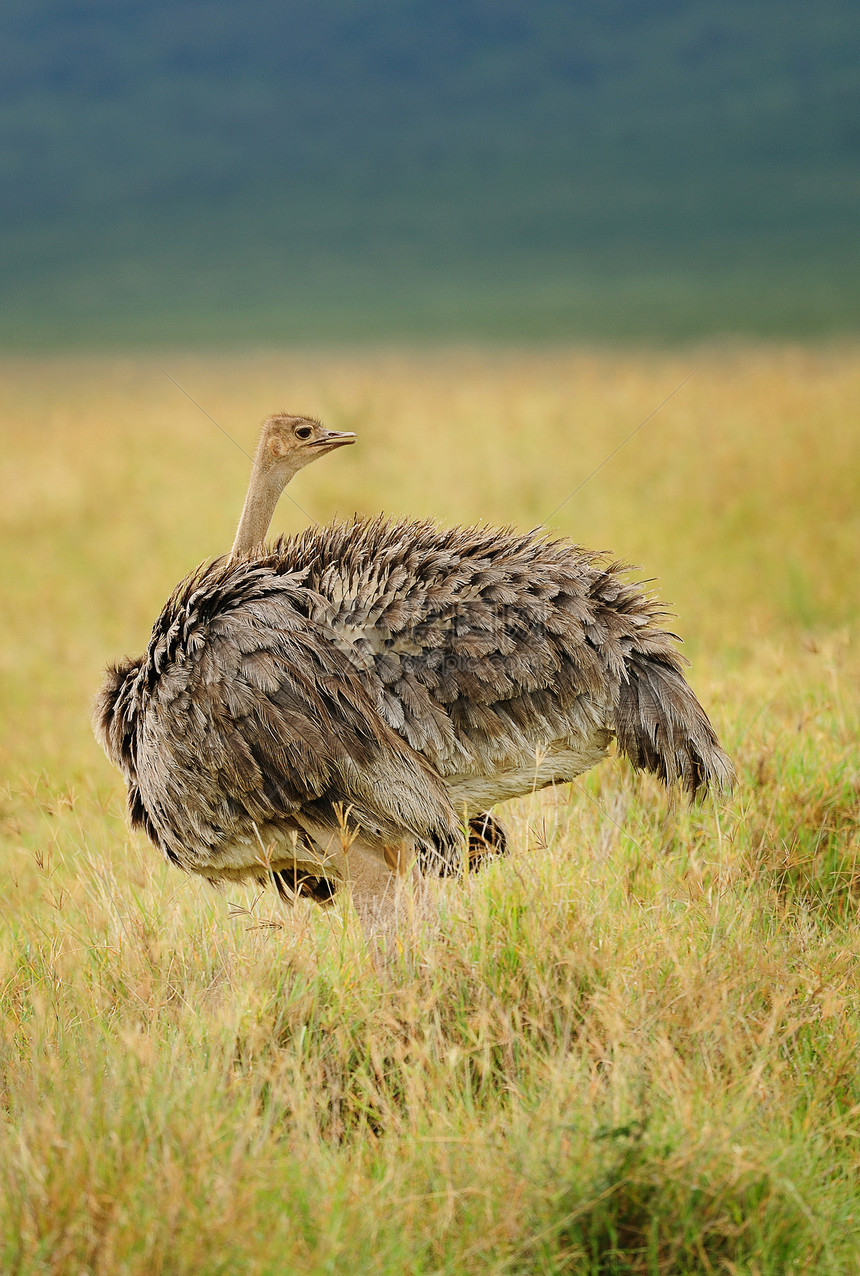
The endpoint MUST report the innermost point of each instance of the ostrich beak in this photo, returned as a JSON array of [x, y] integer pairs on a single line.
[[334, 438]]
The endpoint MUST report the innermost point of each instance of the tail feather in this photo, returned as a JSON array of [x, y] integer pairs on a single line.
[[661, 727]]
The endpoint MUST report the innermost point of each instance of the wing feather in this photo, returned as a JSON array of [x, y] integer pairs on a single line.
[[248, 717]]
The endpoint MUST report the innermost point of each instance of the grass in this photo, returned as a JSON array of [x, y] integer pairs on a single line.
[[629, 1048]]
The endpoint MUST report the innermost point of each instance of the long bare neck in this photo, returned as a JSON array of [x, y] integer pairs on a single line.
[[264, 491]]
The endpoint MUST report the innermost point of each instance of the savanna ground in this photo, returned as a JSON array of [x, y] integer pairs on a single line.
[[630, 1047]]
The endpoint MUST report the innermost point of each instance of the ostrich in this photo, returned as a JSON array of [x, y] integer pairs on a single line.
[[327, 709]]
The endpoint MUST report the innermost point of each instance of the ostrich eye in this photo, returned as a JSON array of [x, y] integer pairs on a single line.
[[303, 432]]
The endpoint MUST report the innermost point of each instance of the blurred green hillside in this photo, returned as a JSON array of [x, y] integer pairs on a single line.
[[337, 169]]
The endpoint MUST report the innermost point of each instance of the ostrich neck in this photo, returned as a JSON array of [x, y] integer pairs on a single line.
[[264, 491]]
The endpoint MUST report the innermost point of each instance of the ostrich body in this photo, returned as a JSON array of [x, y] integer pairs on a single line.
[[508, 661], [329, 707]]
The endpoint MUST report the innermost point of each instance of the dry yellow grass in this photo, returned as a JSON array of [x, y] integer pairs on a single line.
[[630, 1047]]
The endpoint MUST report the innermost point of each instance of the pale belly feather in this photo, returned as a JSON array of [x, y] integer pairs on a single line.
[[563, 760]]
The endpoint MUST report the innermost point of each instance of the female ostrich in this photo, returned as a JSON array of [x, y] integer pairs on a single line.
[[328, 708]]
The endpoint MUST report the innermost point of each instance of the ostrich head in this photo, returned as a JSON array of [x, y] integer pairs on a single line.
[[287, 444]]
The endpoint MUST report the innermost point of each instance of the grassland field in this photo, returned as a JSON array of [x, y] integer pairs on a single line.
[[629, 1047]]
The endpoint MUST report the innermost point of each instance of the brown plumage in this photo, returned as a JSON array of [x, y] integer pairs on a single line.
[[505, 659], [242, 727], [376, 680]]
